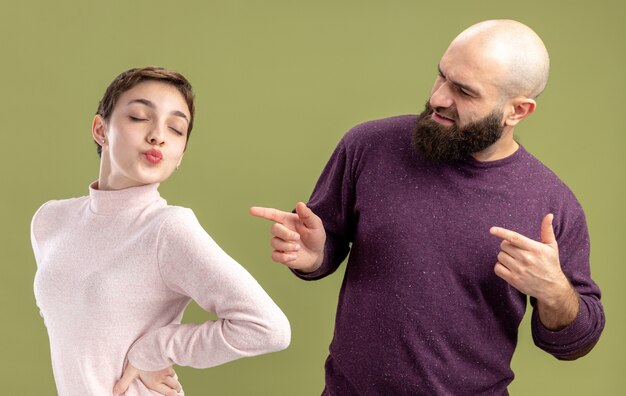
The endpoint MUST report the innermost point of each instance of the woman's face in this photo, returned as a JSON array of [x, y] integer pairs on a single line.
[[145, 137]]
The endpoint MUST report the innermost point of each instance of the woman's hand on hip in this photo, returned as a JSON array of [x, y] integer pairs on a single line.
[[162, 381]]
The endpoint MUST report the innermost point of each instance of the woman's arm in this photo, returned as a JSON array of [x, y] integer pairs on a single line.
[[192, 264]]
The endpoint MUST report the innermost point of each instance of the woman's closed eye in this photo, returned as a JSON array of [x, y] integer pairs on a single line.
[[176, 130]]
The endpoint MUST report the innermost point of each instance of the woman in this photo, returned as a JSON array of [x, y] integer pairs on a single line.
[[117, 268]]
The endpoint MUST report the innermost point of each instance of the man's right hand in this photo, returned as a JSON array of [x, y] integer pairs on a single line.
[[298, 238]]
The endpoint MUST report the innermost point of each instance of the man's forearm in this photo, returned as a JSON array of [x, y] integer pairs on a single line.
[[561, 310]]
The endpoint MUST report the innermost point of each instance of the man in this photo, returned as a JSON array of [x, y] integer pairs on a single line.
[[450, 224]]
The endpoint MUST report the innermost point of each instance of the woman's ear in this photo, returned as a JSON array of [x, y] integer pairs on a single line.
[[520, 108], [98, 130]]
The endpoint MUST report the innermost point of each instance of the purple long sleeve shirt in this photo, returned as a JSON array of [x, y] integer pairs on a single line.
[[421, 311]]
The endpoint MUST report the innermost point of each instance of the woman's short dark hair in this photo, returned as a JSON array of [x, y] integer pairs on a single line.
[[128, 79]]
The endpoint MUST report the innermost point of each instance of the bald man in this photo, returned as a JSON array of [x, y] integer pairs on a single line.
[[451, 225]]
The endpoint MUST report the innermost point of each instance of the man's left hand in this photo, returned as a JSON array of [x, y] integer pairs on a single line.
[[534, 269]]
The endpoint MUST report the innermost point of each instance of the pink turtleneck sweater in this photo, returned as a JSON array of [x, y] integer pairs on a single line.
[[115, 271]]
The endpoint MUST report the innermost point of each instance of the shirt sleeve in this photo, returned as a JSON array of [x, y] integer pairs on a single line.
[[192, 264], [580, 336], [333, 201]]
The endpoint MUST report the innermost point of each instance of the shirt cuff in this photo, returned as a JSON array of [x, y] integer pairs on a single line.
[[568, 340]]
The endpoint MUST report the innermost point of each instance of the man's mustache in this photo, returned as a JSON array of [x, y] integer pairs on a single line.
[[447, 112]]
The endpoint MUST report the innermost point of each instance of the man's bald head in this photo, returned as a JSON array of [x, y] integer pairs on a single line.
[[517, 55]]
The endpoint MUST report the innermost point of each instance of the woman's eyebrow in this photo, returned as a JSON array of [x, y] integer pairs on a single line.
[[180, 114], [151, 105], [144, 102]]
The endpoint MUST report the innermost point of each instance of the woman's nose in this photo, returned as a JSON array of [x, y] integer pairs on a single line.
[[156, 136]]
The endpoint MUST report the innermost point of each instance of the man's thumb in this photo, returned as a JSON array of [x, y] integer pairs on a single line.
[[547, 231], [306, 215]]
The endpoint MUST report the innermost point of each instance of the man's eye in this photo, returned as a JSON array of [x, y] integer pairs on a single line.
[[137, 118], [464, 92]]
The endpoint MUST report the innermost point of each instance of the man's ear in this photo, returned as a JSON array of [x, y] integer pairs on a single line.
[[519, 108], [98, 129]]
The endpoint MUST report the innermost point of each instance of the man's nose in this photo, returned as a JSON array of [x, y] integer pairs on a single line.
[[441, 96]]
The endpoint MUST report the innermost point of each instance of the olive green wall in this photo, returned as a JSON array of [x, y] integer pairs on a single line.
[[277, 84]]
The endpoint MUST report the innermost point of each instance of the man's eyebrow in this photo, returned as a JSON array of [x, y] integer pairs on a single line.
[[465, 87], [151, 105]]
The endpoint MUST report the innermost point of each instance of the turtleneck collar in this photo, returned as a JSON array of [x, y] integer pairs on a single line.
[[105, 202]]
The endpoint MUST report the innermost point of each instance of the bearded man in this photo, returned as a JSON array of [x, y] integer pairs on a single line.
[[451, 226]]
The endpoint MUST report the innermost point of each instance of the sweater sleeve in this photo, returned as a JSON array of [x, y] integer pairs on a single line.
[[34, 228], [580, 336], [192, 264], [333, 201]]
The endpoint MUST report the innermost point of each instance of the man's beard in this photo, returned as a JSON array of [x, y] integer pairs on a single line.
[[453, 143]]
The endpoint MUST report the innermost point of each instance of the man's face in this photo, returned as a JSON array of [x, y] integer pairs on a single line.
[[465, 112]]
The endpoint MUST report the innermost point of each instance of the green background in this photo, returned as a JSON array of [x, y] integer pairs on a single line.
[[277, 84]]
